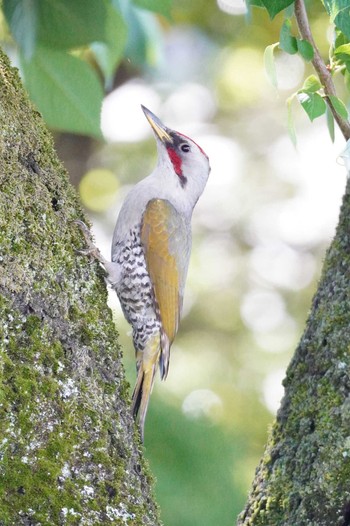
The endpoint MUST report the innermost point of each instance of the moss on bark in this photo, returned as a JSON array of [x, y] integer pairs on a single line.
[[303, 478], [69, 454]]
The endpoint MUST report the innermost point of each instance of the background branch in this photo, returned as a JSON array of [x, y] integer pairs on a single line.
[[321, 69]]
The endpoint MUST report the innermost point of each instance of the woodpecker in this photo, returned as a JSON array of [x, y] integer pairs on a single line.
[[150, 253]]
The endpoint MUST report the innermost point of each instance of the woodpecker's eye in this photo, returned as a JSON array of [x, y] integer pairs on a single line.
[[185, 148]]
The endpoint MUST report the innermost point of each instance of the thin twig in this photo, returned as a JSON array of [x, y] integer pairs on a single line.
[[319, 65]]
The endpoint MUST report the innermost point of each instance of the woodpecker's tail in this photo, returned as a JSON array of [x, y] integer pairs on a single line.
[[147, 364]]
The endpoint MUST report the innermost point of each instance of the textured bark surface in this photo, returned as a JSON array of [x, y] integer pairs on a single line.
[[304, 476], [69, 454]]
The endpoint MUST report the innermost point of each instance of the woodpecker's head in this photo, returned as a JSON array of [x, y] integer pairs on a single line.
[[180, 158]]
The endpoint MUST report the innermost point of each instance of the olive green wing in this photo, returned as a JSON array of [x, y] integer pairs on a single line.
[[166, 240]]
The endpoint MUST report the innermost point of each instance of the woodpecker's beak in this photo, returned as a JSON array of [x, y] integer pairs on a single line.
[[158, 127]]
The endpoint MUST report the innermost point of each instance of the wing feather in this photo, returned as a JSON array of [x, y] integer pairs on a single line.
[[166, 239]]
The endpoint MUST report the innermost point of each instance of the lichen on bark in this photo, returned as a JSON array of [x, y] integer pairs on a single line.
[[303, 477], [69, 454]]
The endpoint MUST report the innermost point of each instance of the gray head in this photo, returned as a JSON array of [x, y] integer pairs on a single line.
[[182, 165]]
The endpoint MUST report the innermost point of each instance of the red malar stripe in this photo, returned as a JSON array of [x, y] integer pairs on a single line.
[[176, 161]]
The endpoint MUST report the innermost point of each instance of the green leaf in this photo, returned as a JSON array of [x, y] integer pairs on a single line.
[[347, 79], [343, 53], [145, 37], [305, 49], [311, 84], [342, 20], [275, 6], [343, 49], [343, 57], [162, 7], [289, 11], [66, 91], [287, 42], [330, 123], [22, 18], [65, 24], [61, 24], [269, 62], [109, 52], [339, 11], [313, 104], [339, 106], [334, 6], [290, 122], [340, 39]]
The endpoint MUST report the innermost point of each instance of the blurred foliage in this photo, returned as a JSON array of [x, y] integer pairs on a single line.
[[66, 48], [260, 229], [98, 188], [100, 34]]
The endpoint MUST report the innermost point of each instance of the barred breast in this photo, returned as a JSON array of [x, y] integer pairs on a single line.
[[135, 291]]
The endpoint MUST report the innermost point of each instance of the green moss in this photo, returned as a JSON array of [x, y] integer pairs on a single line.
[[68, 450], [303, 477]]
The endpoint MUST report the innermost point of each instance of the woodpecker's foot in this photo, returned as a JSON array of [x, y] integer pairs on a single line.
[[91, 249]]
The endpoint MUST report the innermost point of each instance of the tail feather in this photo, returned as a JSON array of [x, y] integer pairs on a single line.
[[147, 364], [137, 394], [141, 395], [164, 356]]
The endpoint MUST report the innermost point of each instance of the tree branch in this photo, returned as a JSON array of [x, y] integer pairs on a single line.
[[319, 65]]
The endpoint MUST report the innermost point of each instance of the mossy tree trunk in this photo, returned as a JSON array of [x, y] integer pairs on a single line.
[[69, 454], [304, 476]]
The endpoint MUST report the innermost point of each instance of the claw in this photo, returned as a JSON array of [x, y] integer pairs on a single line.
[[113, 270], [91, 249], [87, 252]]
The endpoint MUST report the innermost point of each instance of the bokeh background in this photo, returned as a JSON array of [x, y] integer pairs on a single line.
[[259, 235]]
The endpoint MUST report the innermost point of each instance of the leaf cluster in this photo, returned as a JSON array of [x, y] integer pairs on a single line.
[[313, 97], [69, 51]]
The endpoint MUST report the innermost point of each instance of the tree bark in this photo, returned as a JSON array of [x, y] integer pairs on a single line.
[[69, 454], [303, 478]]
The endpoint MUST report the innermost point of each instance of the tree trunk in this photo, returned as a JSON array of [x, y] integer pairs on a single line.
[[304, 475], [69, 454]]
